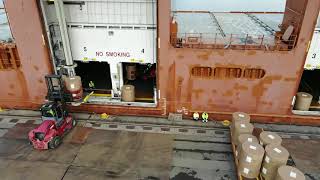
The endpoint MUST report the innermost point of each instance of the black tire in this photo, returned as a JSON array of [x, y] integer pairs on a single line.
[[55, 142], [74, 123]]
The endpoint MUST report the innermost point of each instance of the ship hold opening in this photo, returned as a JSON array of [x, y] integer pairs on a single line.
[[307, 100], [143, 78], [105, 40], [95, 76]]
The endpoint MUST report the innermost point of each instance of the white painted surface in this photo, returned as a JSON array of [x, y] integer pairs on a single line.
[[3, 132], [113, 12], [313, 58], [113, 45]]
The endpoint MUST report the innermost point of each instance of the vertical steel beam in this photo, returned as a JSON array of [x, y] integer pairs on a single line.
[[64, 36], [115, 78], [48, 35]]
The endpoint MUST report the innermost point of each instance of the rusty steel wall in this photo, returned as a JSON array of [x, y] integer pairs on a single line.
[[25, 87], [267, 99], [270, 95]]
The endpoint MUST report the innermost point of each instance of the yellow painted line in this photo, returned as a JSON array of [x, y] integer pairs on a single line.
[[308, 47], [87, 97], [145, 99], [102, 95]]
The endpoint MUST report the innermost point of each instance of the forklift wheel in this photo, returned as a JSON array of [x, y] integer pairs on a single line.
[[54, 142]]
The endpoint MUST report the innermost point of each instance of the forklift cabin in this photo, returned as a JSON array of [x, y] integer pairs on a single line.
[[53, 111]]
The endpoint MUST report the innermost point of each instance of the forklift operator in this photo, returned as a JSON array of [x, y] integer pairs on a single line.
[[51, 114]]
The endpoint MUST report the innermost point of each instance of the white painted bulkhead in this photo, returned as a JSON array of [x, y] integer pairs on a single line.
[[313, 57]]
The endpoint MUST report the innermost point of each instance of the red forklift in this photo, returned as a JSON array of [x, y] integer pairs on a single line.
[[56, 120]]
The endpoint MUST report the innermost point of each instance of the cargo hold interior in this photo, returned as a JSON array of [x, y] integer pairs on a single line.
[[310, 84]]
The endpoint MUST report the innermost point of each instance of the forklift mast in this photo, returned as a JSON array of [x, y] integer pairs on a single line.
[[56, 89]]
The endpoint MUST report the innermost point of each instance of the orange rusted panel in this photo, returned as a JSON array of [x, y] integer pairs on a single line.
[[270, 95], [25, 86]]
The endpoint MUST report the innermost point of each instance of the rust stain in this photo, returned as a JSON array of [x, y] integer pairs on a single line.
[[179, 91], [180, 56], [37, 97], [80, 134], [221, 52], [212, 106], [204, 55], [36, 68], [214, 91], [180, 80], [171, 86], [40, 81], [231, 65], [290, 79], [259, 89], [189, 89], [23, 84], [220, 107], [198, 92], [250, 53], [230, 102], [266, 103], [228, 93], [283, 52], [240, 87], [298, 73]]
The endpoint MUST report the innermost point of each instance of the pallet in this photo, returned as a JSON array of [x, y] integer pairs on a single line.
[[256, 132]]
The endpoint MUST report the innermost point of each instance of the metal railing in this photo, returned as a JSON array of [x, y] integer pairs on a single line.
[[232, 41], [9, 58]]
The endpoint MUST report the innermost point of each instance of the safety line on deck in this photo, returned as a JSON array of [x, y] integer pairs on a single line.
[[216, 22], [261, 23]]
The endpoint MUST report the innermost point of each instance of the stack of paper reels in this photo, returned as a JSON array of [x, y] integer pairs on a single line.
[[267, 137], [276, 156], [289, 173], [239, 128], [250, 159], [244, 138], [239, 117]]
